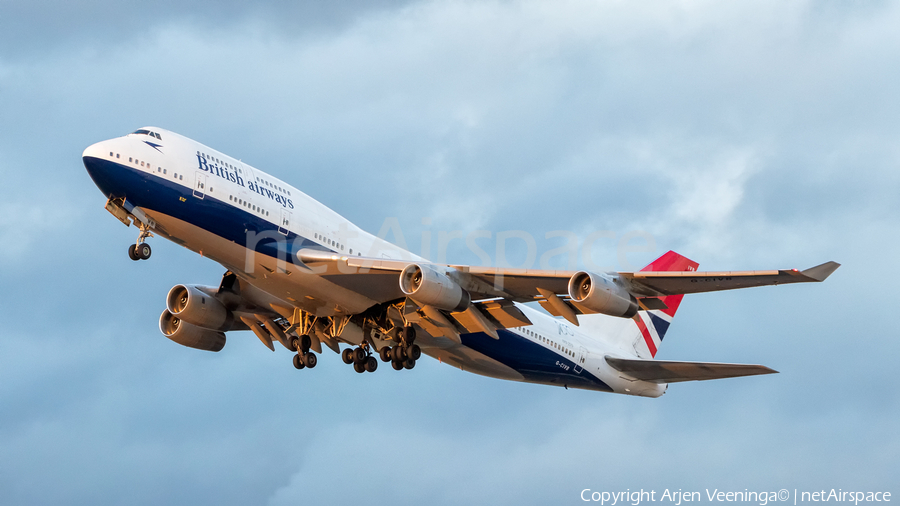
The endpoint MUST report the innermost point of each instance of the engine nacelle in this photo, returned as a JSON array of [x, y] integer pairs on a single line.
[[601, 294], [432, 288], [189, 335], [195, 306]]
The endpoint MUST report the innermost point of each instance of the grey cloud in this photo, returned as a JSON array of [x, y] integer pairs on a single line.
[[744, 136], [32, 28]]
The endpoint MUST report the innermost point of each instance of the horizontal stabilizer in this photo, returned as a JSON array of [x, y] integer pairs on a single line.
[[658, 371]]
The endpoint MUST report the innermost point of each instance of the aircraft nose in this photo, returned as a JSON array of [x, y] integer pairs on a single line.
[[97, 150], [100, 162]]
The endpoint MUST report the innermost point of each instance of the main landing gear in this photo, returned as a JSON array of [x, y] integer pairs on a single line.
[[141, 250], [405, 354], [303, 358], [361, 358]]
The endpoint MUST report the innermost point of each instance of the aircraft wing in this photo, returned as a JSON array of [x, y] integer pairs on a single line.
[[658, 283], [658, 371], [528, 285]]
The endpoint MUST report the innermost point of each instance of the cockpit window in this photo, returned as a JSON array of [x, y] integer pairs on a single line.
[[147, 132]]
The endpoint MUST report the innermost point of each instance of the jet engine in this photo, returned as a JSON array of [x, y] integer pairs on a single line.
[[190, 335], [602, 295], [194, 304], [432, 288]]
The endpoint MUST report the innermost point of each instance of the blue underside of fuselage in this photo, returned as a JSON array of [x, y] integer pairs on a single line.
[[224, 219], [536, 363]]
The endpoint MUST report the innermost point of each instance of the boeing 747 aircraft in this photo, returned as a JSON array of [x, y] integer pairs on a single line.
[[300, 275]]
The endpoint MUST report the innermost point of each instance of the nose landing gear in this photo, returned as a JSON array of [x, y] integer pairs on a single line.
[[141, 250]]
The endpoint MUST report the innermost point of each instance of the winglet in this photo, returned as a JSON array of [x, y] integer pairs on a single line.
[[820, 272]]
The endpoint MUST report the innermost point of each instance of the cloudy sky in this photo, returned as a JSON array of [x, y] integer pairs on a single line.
[[744, 134]]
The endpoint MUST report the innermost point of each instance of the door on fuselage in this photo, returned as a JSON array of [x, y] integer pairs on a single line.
[[200, 184], [580, 359], [285, 221]]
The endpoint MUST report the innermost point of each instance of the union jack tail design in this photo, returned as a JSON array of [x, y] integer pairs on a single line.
[[653, 324]]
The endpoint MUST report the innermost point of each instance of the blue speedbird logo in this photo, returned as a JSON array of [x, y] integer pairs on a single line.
[[154, 145]]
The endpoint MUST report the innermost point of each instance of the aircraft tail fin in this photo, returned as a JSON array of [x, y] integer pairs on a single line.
[[652, 325]]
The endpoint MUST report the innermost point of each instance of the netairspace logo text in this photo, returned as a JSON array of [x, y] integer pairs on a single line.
[[763, 498]]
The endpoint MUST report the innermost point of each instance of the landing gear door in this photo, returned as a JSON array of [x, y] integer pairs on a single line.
[[200, 184], [580, 359], [285, 222]]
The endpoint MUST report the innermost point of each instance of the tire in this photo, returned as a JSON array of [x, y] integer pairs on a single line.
[[298, 362], [132, 253], [310, 360], [385, 354], [305, 343], [409, 334], [397, 354], [409, 364], [414, 352], [359, 355], [292, 344], [396, 365], [143, 251], [358, 367], [347, 356], [371, 364]]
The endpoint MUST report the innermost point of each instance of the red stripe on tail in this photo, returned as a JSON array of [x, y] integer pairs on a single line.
[[672, 261], [646, 333]]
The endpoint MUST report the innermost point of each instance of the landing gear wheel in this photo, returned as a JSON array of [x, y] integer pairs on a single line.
[[298, 362], [409, 363], [397, 354], [414, 352], [409, 334], [396, 365], [371, 364], [347, 356], [132, 253], [358, 367], [359, 355], [305, 343], [293, 344], [143, 251], [385, 354], [310, 360]]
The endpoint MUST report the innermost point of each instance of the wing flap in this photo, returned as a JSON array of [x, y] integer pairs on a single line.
[[659, 371]]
